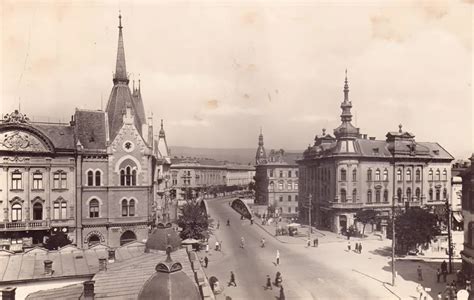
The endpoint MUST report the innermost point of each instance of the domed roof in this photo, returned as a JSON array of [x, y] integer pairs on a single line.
[[161, 238], [169, 282]]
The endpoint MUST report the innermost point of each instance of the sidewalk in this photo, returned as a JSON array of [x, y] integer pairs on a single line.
[[373, 266]]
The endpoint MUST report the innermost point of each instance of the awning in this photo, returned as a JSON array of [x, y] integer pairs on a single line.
[[457, 215]]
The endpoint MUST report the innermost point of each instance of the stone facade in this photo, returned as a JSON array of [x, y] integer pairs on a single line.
[[467, 253], [350, 172]]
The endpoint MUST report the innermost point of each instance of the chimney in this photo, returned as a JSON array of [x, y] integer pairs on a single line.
[[372, 138], [102, 264], [111, 255], [364, 136], [89, 290], [8, 293], [48, 267]]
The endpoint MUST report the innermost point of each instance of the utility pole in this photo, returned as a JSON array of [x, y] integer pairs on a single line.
[[450, 247]]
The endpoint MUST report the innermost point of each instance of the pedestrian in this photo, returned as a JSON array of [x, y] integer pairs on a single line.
[[269, 283], [444, 267], [217, 245], [356, 248], [444, 276], [232, 279], [439, 296], [308, 243], [206, 261], [207, 248], [438, 275], [278, 257], [251, 221], [220, 245], [349, 246], [420, 273], [262, 242], [277, 278], [314, 242], [282, 293], [317, 242], [360, 248], [420, 291], [218, 224]]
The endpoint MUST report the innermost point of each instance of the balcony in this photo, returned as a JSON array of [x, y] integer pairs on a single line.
[[25, 225], [345, 205]]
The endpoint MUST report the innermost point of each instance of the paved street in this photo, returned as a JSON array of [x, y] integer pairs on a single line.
[[304, 277]]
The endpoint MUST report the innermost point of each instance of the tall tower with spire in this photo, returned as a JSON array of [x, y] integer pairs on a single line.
[[346, 129], [163, 150], [121, 97], [261, 155]]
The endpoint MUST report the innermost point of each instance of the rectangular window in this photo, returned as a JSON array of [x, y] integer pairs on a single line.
[[295, 186], [289, 209], [296, 198], [281, 173], [296, 209], [280, 185], [289, 173], [296, 173], [37, 181], [281, 198], [289, 198], [63, 210], [16, 181], [271, 173], [56, 211]]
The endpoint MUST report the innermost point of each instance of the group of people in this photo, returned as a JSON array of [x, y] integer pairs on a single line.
[[358, 247], [315, 242]]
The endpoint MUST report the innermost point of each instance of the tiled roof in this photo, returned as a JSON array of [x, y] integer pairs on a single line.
[[68, 292], [124, 280], [91, 128], [367, 148], [68, 261], [61, 135]]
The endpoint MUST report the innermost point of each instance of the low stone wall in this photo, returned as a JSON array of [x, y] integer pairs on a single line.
[[200, 275]]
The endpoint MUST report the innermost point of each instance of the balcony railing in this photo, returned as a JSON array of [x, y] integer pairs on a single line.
[[24, 225]]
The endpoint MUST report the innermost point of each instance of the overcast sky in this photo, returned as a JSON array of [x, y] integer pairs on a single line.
[[218, 71]]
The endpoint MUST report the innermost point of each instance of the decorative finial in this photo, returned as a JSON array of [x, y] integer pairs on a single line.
[[324, 131], [168, 254], [139, 82], [400, 128], [161, 123], [120, 20]]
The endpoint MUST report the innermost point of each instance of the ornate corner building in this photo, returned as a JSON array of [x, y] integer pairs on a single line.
[[96, 178], [349, 172]]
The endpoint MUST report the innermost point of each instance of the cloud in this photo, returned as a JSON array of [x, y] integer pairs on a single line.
[[194, 122], [311, 119]]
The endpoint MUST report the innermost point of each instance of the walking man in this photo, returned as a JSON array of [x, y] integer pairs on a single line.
[[207, 247], [360, 248], [444, 269], [269, 283], [438, 275], [349, 246], [317, 242], [278, 257], [308, 243], [282, 293], [420, 273], [232, 279], [206, 261]]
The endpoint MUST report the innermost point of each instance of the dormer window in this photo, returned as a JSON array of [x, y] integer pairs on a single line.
[[436, 152], [375, 150]]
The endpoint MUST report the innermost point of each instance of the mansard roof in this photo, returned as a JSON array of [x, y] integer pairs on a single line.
[[91, 128]]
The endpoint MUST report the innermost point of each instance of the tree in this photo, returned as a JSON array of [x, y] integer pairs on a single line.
[[193, 221], [415, 227], [56, 241], [367, 216]]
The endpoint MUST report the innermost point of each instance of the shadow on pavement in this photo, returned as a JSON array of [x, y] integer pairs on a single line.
[[384, 251]]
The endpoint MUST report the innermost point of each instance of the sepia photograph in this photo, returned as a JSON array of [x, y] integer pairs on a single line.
[[236, 149]]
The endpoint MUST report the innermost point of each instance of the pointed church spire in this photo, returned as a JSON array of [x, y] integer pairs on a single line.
[[162, 131], [261, 155], [346, 89], [120, 75], [346, 105]]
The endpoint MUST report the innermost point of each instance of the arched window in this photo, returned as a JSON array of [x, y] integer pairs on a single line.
[[408, 175], [445, 194], [377, 175], [430, 175], [343, 175], [290, 185], [445, 175], [377, 196], [385, 196], [124, 208], [430, 193], [90, 178], [134, 177], [438, 175], [128, 176], [122, 177], [399, 175], [354, 195], [37, 211], [418, 194], [343, 195], [127, 237], [438, 194], [354, 175], [16, 212], [399, 195], [409, 194], [93, 240], [369, 175], [272, 185], [385, 175], [418, 175], [369, 196], [94, 208], [97, 178]]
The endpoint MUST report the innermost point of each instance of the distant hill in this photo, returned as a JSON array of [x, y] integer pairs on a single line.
[[243, 156]]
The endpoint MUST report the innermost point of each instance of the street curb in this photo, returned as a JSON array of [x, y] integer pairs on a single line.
[[275, 237]]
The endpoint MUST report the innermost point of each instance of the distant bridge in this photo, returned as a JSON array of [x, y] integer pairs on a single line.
[[242, 208]]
